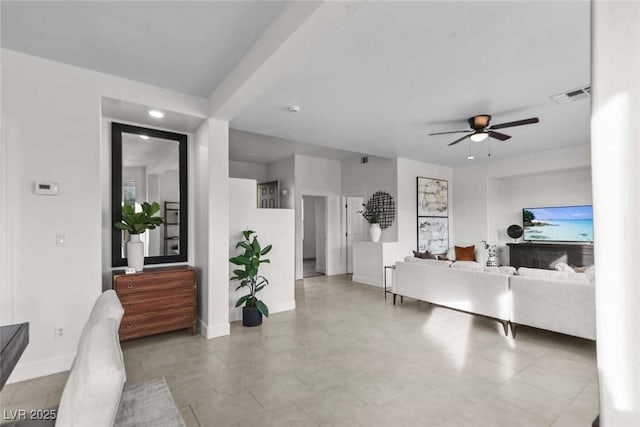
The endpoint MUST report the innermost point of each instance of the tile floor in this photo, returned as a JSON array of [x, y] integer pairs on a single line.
[[347, 357]]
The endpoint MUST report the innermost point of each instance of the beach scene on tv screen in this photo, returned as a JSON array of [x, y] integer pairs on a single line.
[[560, 224]]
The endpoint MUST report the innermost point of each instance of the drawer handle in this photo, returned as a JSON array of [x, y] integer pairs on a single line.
[[130, 286], [129, 325], [183, 316], [129, 305]]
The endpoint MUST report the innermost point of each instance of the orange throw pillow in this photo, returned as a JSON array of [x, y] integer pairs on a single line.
[[465, 253]]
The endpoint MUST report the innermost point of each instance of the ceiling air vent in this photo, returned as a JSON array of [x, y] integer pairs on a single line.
[[572, 95]]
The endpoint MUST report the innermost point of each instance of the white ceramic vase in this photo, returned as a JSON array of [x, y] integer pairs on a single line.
[[375, 232], [135, 252]]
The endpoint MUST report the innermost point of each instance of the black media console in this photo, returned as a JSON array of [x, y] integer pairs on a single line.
[[547, 255]]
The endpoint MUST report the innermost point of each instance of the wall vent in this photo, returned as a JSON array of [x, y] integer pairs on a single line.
[[572, 95], [364, 160]]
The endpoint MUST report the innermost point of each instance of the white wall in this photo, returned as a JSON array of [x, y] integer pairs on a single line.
[[309, 221], [284, 171], [52, 119], [510, 195], [615, 132], [478, 201], [364, 179], [274, 227], [320, 177], [408, 171], [248, 170]]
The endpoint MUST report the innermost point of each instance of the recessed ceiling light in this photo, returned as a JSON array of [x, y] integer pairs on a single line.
[[293, 109], [143, 136], [156, 114], [470, 158]]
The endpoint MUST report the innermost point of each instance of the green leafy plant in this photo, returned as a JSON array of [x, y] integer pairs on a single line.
[[139, 222], [372, 215], [249, 277]]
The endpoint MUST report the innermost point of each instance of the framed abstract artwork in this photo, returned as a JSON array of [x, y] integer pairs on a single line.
[[433, 235], [433, 197]]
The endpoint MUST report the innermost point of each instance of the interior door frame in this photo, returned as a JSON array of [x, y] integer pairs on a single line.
[[343, 228], [326, 230]]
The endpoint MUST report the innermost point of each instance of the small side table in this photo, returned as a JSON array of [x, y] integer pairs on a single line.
[[387, 267]]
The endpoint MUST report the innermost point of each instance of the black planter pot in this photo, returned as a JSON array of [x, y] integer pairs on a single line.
[[251, 316]]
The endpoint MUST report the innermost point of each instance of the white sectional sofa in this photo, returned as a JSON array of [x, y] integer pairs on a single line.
[[556, 301], [476, 292], [548, 300]]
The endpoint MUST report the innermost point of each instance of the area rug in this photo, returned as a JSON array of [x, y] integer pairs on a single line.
[[148, 404]]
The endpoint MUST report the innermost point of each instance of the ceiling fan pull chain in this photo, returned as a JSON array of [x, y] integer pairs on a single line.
[[489, 149]]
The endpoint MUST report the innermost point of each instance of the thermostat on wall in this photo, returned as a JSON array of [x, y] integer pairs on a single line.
[[47, 188]]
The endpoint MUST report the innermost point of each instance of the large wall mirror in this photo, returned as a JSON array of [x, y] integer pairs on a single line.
[[150, 165]]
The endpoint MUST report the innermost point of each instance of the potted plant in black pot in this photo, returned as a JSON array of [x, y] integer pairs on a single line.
[[250, 260]]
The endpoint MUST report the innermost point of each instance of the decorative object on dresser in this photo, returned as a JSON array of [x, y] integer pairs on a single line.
[[380, 212], [157, 300], [547, 255], [253, 309], [136, 223]]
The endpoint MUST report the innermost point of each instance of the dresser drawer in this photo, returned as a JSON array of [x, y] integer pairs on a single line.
[[142, 302], [152, 282], [155, 319]]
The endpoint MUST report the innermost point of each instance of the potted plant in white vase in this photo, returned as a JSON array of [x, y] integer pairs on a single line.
[[136, 223], [372, 216], [250, 260]]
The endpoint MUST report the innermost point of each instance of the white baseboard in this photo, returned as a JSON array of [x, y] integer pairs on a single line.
[[371, 281], [235, 315], [40, 368], [214, 331]]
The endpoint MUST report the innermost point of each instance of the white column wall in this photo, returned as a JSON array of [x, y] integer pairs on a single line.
[[218, 233], [274, 227], [615, 131]]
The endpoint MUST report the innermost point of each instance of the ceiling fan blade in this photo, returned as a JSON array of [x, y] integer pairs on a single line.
[[459, 140], [516, 123], [455, 131], [498, 135]]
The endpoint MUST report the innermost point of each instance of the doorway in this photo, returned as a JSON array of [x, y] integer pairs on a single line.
[[314, 236], [354, 225]]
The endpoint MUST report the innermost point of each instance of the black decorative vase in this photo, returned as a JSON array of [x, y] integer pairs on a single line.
[[251, 316]]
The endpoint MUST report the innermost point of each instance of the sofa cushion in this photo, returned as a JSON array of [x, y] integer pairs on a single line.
[[466, 253], [503, 269], [435, 262], [424, 255], [107, 306], [590, 273], [542, 273], [92, 392], [468, 265], [564, 267]]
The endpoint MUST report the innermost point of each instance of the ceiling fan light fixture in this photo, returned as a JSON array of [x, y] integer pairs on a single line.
[[480, 122], [479, 136]]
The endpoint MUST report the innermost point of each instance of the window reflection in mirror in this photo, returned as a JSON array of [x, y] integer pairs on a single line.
[[150, 171]]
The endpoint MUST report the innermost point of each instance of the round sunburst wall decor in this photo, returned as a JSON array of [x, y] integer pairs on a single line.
[[383, 203]]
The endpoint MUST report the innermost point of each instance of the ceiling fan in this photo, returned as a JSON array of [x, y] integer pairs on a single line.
[[480, 129]]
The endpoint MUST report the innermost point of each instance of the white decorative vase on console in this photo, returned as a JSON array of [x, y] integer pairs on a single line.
[[135, 252], [375, 232]]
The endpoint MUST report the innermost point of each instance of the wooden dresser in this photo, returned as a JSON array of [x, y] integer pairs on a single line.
[[156, 300]]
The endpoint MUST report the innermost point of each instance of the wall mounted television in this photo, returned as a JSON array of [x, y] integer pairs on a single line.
[[558, 224]]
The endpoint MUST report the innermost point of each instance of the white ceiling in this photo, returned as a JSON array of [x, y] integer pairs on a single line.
[[400, 70], [139, 114], [185, 46], [257, 148], [393, 73]]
